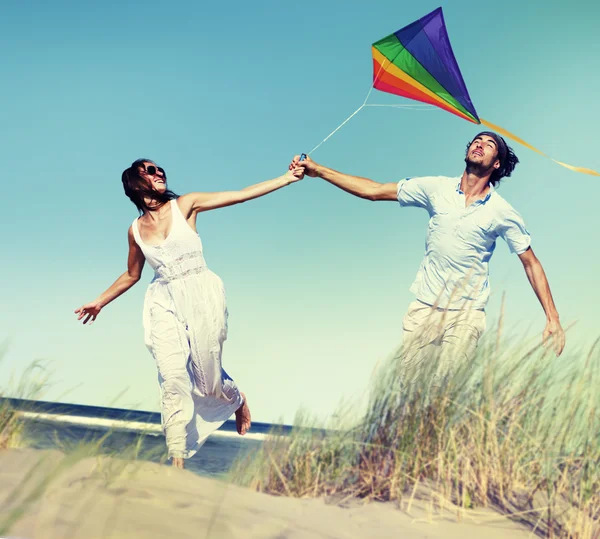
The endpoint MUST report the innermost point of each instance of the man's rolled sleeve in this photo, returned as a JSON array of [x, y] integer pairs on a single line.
[[514, 232], [416, 191]]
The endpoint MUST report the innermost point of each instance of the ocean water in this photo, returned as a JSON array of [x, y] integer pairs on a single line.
[[48, 425]]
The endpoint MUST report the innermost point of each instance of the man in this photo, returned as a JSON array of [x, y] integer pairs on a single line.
[[467, 215]]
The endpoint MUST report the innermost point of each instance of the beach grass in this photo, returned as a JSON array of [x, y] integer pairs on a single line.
[[30, 384], [516, 429]]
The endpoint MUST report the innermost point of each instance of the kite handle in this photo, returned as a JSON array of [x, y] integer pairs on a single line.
[[302, 157]]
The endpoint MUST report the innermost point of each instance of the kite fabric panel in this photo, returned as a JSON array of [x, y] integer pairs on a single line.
[[417, 62]]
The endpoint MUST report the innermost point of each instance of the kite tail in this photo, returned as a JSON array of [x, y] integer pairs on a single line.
[[521, 141]]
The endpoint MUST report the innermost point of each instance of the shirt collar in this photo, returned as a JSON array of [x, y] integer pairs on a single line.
[[481, 201]]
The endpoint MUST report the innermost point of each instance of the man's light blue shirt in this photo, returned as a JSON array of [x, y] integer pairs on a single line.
[[460, 242]]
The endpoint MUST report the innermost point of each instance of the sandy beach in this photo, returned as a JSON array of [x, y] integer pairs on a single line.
[[100, 497]]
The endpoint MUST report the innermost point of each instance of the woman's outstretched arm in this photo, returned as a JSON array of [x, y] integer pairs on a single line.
[[198, 202], [135, 264]]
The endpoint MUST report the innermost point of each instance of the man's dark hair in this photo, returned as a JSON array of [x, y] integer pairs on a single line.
[[506, 156], [137, 188]]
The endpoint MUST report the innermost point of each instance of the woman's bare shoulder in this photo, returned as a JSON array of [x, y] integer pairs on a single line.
[[186, 204], [189, 201]]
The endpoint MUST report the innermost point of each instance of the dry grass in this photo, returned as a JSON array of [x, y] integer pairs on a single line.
[[515, 429], [31, 385]]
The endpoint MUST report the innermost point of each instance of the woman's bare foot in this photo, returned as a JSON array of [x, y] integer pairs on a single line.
[[242, 417], [177, 462]]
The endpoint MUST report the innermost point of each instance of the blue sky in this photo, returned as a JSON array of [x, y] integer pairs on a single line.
[[222, 95]]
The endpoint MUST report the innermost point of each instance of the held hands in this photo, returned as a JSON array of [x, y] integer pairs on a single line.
[[89, 310], [308, 166], [554, 336], [294, 174]]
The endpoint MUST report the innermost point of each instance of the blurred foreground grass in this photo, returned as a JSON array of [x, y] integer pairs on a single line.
[[516, 429]]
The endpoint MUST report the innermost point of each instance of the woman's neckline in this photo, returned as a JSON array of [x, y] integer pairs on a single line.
[[172, 201]]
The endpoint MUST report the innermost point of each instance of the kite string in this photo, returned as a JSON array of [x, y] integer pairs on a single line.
[[360, 108], [410, 107], [351, 115], [337, 128]]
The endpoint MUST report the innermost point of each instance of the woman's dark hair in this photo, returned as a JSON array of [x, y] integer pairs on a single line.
[[506, 156], [137, 188]]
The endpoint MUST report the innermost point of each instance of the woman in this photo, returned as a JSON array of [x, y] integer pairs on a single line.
[[185, 314]]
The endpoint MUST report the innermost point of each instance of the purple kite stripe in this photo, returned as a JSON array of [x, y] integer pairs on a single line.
[[427, 40]]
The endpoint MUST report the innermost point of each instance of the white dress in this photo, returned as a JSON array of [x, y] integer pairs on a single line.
[[185, 325]]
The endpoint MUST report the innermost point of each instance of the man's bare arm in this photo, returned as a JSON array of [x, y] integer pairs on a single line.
[[541, 287], [355, 185]]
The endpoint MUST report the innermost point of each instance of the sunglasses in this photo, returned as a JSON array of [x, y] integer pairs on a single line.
[[151, 169]]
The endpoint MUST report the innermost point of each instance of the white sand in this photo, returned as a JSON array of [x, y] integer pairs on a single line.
[[100, 497]]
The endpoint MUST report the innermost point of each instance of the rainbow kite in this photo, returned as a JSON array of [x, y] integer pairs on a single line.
[[417, 62]]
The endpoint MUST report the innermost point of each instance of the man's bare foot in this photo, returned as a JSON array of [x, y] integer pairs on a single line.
[[177, 462], [242, 417]]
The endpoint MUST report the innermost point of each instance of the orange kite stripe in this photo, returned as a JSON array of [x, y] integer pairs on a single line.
[[387, 82]]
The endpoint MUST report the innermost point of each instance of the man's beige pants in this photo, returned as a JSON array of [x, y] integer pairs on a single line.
[[437, 342]]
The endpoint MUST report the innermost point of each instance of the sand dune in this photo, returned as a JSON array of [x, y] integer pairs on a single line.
[[109, 498]]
